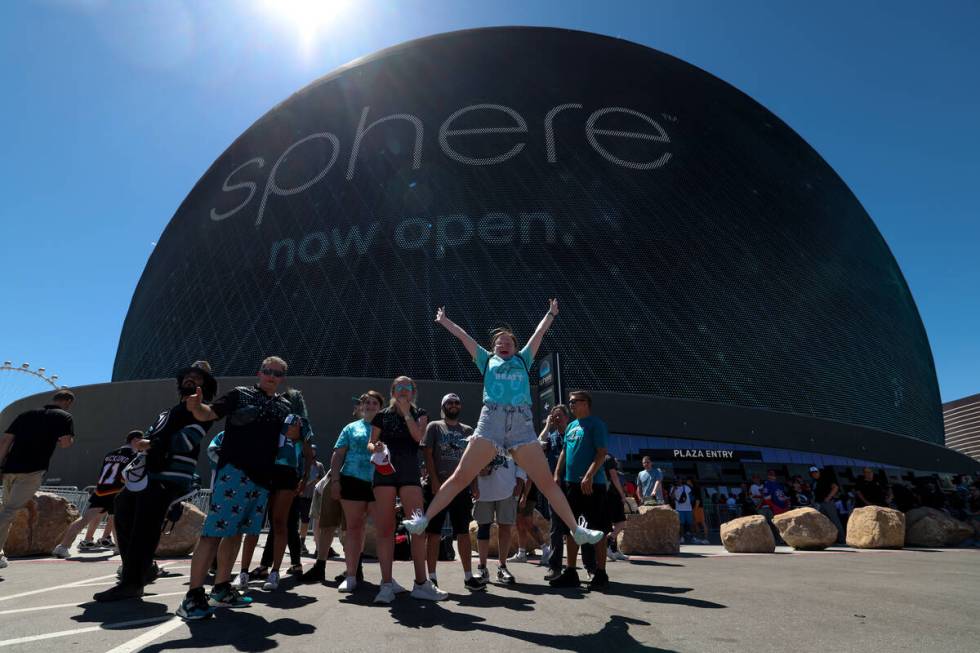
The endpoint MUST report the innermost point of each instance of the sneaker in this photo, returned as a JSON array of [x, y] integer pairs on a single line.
[[195, 607], [87, 545], [504, 577], [295, 570], [259, 573], [552, 574], [611, 555], [473, 584], [482, 574], [3, 562], [584, 535], [621, 556], [416, 525], [520, 556], [229, 598], [567, 578], [348, 585], [386, 594], [241, 581], [61, 551], [152, 573], [600, 580], [119, 592], [428, 592], [271, 583], [398, 589], [107, 543], [315, 574], [545, 555]]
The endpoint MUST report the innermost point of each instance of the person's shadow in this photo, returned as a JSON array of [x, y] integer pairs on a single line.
[[242, 630], [614, 635]]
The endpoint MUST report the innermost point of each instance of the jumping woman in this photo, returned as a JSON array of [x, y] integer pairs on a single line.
[[505, 424]]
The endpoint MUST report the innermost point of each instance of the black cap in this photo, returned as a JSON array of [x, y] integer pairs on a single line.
[[133, 435], [203, 368]]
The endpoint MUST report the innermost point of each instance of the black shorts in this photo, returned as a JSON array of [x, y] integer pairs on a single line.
[[283, 478], [354, 489], [460, 512], [614, 506], [106, 502], [591, 506], [302, 504], [401, 478]]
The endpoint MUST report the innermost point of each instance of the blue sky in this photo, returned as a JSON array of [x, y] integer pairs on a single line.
[[112, 111]]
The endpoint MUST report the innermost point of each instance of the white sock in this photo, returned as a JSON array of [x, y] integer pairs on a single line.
[[521, 551], [467, 575]]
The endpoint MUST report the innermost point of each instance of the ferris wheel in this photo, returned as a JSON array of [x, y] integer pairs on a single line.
[[17, 381]]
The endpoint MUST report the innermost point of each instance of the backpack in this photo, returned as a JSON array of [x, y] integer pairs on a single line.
[[683, 497]]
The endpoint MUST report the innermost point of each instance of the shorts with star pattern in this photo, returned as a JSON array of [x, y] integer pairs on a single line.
[[237, 505]]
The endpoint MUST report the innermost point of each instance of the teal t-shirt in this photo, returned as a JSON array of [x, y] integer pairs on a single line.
[[357, 463], [583, 438], [290, 453], [505, 381]]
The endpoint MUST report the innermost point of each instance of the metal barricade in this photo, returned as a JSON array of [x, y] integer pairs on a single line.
[[202, 500]]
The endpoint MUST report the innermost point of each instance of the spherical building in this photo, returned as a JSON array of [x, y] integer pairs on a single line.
[[708, 261]]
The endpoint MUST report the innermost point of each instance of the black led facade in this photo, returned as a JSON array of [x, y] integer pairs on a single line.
[[700, 248]]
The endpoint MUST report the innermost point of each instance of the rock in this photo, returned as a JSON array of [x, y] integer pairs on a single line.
[[654, 530], [182, 540], [39, 526], [874, 527], [806, 529], [748, 535], [931, 527], [542, 536]]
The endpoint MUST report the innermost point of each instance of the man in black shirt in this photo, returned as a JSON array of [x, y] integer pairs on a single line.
[[26, 447], [255, 420], [824, 492], [869, 491], [161, 473]]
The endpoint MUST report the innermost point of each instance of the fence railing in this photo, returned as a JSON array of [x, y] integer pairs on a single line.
[[79, 497]]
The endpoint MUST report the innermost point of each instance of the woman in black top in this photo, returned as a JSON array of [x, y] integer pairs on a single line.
[[398, 429]]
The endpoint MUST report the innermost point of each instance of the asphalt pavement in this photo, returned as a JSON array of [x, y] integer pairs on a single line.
[[701, 600]]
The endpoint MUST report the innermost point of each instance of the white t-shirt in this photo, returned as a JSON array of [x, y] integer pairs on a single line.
[[679, 492], [756, 493], [499, 484]]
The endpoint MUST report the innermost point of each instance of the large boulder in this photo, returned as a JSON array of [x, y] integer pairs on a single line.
[[182, 540], [653, 530], [541, 536], [748, 535], [931, 527], [874, 527], [39, 526], [805, 529]]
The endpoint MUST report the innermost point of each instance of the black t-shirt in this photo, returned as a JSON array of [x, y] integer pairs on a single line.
[[402, 447], [36, 434], [822, 488], [871, 490], [254, 422], [111, 480]]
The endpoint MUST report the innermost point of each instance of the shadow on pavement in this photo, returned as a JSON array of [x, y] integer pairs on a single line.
[[241, 630], [99, 558], [93, 612], [652, 563], [614, 635], [656, 594]]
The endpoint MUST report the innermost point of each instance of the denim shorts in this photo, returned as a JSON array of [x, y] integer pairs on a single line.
[[237, 505], [507, 427]]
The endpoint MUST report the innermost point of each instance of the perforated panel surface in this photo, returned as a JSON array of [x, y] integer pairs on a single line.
[[699, 247]]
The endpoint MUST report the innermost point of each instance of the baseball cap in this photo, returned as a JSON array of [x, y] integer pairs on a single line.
[[452, 396], [814, 468]]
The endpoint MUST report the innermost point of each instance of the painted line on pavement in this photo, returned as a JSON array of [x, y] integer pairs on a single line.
[[147, 637], [77, 583], [87, 629]]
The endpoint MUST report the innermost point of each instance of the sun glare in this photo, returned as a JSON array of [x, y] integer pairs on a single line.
[[309, 18]]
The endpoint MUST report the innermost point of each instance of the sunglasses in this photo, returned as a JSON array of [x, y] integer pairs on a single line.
[[451, 403], [576, 401], [268, 371], [402, 386]]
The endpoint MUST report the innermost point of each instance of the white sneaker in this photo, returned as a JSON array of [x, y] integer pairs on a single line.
[[621, 556], [545, 555], [241, 581], [396, 588], [348, 585], [386, 594], [428, 592], [417, 523], [583, 535], [520, 556], [3, 561], [271, 583], [61, 551], [611, 555]]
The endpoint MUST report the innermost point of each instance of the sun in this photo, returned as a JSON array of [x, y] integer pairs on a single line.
[[309, 18]]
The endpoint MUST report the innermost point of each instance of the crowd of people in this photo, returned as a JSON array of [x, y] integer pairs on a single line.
[[410, 477]]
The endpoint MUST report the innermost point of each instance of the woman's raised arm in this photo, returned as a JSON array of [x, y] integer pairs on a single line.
[[543, 327], [457, 331]]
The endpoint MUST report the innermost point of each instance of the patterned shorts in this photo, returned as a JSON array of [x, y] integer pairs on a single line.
[[237, 505]]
